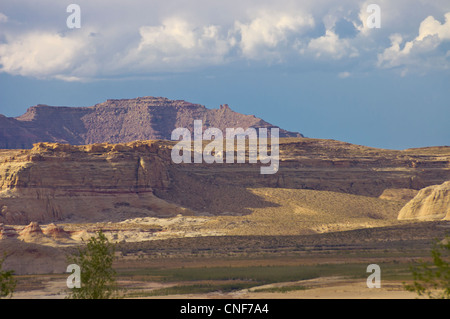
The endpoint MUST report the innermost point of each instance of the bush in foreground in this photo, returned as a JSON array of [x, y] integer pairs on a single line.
[[98, 278], [433, 280], [7, 281]]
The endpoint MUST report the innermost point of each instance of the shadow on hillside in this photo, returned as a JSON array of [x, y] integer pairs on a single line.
[[208, 195]]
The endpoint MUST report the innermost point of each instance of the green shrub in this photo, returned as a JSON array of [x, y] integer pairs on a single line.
[[433, 280], [7, 281], [98, 278]]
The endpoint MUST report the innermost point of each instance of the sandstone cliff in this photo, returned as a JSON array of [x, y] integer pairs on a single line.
[[431, 203], [54, 182], [58, 181], [117, 121]]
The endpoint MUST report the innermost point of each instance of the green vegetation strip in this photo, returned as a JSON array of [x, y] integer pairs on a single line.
[[283, 289], [246, 277]]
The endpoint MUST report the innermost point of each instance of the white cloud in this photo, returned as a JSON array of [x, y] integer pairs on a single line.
[[432, 27], [330, 45], [394, 53], [422, 48], [177, 44], [173, 35], [142, 38], [39, 54], [268, 30]]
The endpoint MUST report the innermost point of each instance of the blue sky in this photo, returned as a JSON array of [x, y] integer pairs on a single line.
[[315, 67]]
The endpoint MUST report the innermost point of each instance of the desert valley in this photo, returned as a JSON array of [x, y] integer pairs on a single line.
[[220, 230]]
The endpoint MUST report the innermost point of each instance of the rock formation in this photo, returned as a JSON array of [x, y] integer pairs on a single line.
[[32, 230], [113, 182], [7, 232], [117, 121], [431, 203], [56, 232]]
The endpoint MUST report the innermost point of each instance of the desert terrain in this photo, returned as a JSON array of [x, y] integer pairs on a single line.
[[225, 230], [322, 265]]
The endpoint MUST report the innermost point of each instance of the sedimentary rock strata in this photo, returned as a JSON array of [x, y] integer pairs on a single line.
[[54, 182], [431, 203]]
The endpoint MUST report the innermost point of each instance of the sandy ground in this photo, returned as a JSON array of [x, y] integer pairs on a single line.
[[319, 288], [336, 288], [293, 212]]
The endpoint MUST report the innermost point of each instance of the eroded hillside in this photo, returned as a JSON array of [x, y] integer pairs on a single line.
[[115, 182]]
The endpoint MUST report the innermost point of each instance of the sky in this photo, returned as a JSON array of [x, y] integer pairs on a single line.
[[340, 70]]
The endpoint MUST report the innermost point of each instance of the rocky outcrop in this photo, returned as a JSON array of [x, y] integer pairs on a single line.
[[7, 232], [32, 230], [118, 121], [431, 203], [54, 182], [56, 232]]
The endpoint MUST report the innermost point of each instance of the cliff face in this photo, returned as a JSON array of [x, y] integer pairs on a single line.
[[117, 121], [431, 203], [60, 181], [53, 182]]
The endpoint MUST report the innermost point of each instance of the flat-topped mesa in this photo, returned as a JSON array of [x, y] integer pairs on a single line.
[[47, 112], [118, 121], [146, 101], [104, 181]]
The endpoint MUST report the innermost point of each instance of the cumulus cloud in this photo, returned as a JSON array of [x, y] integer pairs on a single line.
[[141, 38], [262, 34], [39, 54], [432, 27], [431, 35], [177, 43], [330, 45]]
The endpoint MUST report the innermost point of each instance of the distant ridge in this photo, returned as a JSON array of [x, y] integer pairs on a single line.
[[118, 121]]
